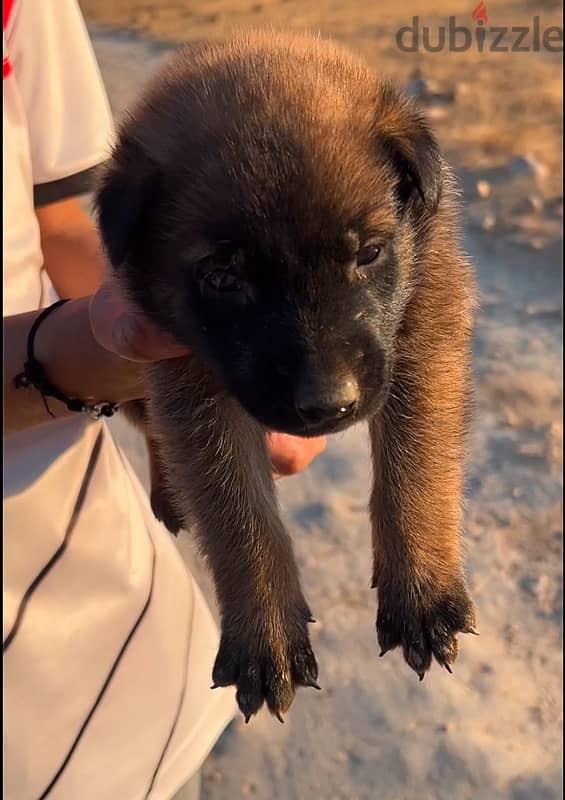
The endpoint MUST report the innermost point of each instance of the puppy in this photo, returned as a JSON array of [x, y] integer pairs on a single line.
[[287, 215]]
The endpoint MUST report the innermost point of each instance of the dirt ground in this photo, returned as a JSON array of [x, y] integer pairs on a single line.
[[493, 729]]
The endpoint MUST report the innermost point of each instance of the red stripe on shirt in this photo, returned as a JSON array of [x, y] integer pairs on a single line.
[[6, 11]]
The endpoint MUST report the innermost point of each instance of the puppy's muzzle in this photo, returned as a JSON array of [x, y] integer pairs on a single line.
[[318, 404]]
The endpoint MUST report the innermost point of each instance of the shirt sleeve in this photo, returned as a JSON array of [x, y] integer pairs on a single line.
[[68, 116]]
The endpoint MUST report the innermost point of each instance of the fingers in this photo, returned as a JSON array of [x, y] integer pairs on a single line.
[[123, 330], [292, 454]]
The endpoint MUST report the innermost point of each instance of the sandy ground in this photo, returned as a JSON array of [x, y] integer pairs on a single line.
[[493, 729]]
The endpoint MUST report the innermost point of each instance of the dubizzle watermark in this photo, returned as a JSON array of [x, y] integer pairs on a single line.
[[456, 38]]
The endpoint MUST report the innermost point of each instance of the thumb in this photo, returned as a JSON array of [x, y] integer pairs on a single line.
[[119, 328]]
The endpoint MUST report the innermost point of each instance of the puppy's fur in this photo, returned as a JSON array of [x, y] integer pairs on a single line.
[[285, 213]]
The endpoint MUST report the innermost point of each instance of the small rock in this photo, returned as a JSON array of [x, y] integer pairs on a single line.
[[509, 633], [464, 88], [530, 204], [549, 311], [429, 91], [488, 222], [445, 727], [545, 594], [501, 518], [538, 243], [526, 166], [531, 449], [555, 206], [436, 112], [417, 85], [214, 776], [484, 189], [555, 444]]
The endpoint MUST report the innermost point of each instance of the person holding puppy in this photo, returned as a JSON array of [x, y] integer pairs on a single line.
[[108, 644]]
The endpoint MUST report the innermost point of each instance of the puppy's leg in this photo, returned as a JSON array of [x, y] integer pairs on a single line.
[[220, 471], [416, 504], [161, 503]]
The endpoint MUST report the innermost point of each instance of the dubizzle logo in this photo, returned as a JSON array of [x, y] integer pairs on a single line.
[[496, 39], [480, 15]]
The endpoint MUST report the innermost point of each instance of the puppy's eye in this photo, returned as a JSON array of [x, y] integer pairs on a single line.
[[221, 280], [221, 276], [368, 255]]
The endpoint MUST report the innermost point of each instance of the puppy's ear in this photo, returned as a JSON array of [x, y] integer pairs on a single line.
[[122, 204], [411, 148]]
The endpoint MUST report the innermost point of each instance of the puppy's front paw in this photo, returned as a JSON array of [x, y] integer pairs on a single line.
[[425, 623], [266, 660]]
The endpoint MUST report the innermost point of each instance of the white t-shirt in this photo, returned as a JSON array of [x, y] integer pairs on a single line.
[[108, 644]]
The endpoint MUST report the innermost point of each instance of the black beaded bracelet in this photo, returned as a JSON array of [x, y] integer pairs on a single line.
[[34, 375]]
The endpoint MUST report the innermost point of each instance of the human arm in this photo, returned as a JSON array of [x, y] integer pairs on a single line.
[[75, 360], [72, 252]]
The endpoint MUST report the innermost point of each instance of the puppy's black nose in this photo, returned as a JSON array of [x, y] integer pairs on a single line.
[[317, 404]]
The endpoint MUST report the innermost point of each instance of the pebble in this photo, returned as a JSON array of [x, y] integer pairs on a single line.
[[484, 189], [445, 727], [524, 239], [429, 91], [416, 86], [436, 112], [531, 449], [526, 166], [555, 207], [214, 776], [538, 243], [509, 633], [488, 222], [529, 204], [547, 310]]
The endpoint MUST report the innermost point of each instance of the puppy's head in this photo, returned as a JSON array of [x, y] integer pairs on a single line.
[[268, 202]]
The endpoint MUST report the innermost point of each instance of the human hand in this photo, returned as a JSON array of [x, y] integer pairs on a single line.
[[292, 454], [124, 330]]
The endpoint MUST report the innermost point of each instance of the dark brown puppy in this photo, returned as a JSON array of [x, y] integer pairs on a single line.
[[288, 215]]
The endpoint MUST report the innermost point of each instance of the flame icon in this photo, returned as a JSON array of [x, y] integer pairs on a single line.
[[480, 14]]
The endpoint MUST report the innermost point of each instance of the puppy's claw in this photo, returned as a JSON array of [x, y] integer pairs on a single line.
[[314, 685], [214, 686], [473, 631], [311, 619], [421, 676], [247, 718], [279, 716], [448, 668]]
